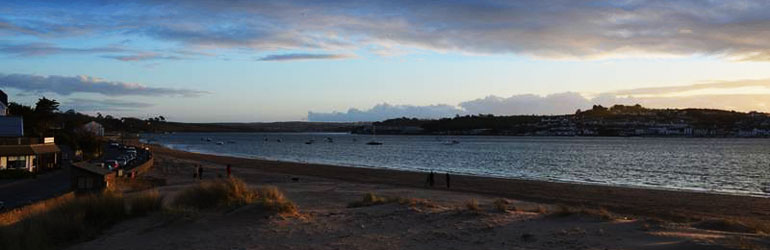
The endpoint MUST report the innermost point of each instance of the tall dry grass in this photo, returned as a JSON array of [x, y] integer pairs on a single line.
[[232, 192], [59, 222], [371, 199]]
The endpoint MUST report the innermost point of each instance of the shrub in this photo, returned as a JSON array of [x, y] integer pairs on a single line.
[[501, 205], [371, 199], [232, 192], [216, 193], [562, 211], [473, 205], [274, 200], [144, 203]]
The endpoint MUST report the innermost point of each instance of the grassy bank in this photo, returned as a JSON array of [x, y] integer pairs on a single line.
[[62, 221], [68, 219]]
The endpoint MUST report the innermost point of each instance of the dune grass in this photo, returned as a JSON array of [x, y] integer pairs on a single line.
[[740, 225], [231, 193], [473, 205], [59, 222], [371, 199], [502, 205]]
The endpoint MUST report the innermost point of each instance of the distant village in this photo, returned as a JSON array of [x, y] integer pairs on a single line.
[[41, 138], [618, 120]]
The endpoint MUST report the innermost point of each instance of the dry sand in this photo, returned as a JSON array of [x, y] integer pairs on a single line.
[[323, 193]]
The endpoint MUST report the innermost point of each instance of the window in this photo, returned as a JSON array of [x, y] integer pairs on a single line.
[[17, 162]]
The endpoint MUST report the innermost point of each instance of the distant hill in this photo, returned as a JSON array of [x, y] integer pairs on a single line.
[[618, 120], [258, 127]]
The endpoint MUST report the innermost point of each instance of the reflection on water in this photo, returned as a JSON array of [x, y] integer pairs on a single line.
[[710, 164]]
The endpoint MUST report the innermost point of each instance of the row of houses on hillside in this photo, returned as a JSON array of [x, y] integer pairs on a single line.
[[31, 153], [19, 152]]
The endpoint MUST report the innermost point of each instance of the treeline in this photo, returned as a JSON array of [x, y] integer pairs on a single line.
[[44, 119], [463, 123]]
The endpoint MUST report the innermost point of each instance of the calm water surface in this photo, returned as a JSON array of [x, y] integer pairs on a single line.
[[739, 166]]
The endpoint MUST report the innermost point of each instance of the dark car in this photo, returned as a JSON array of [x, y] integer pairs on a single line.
[[111, 164]]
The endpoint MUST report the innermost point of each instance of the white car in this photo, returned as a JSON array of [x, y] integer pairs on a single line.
[[122, 161]]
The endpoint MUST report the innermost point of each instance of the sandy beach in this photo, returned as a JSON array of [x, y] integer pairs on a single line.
[[534, 214]]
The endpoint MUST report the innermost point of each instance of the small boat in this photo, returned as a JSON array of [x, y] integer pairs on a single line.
[[278, 140], [310, 142], [220, 143], [329, 140], [374, 137], [208, 139]]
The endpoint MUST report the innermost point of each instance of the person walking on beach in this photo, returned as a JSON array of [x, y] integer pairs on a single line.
[[432, 179], [447, 180], [228, 171]]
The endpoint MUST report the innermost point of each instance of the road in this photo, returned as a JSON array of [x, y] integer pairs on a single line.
[[51, 184], [45, 186]]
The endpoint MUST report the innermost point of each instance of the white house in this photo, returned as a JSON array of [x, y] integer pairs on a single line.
[[18, 152], [94, 128], [3, 103]]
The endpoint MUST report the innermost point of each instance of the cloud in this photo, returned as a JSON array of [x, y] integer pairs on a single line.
[[730, 96], [554, 104], [142, 57], [302, 56], [735, 30], [43, 49], [385, 111], [67, 85], [92, 105], [765, 83]]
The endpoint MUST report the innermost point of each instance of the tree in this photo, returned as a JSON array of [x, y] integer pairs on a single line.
[[45, 116], [46, 106]]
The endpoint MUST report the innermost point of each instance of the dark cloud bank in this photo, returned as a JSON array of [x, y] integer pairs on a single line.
[[67, 85], [555, 28]]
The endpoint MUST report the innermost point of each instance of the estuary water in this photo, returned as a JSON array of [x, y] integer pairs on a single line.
[[723, 165]]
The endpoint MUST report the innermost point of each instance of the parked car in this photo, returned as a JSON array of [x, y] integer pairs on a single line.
[[122, 161], [111, 164], [114, 145]]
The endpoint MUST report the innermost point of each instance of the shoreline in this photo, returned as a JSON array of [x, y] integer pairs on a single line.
[[631, 200], [610, 185]]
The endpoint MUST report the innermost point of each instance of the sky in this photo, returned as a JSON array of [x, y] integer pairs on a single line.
[[262, 61]]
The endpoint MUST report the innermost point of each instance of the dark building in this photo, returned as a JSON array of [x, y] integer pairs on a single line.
[[90, 178]]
